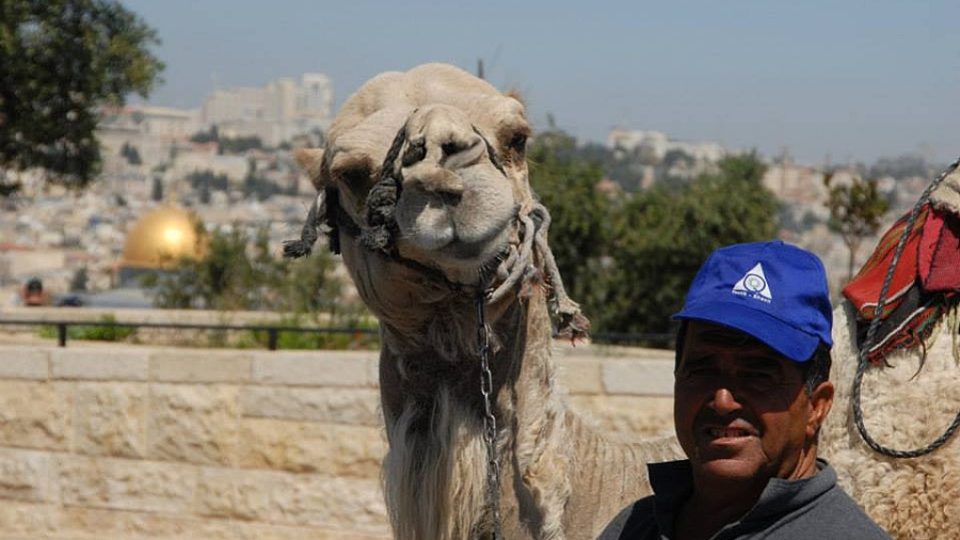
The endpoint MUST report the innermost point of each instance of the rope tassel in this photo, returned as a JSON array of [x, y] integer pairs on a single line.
[[295, 249]]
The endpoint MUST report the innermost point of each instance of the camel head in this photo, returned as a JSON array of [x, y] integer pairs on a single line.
[[423, 186]]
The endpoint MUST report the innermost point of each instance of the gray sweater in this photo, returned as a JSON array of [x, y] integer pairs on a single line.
[[814, 507]]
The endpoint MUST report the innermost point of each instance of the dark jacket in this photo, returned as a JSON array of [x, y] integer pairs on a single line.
[[814, 507]]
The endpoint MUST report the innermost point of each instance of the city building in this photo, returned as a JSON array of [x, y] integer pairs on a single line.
[[274, 113], [659, 145], [151, 131]]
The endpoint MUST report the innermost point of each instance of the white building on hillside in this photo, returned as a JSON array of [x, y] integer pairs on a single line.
[[659, 144], [275, 113], [152, 131]]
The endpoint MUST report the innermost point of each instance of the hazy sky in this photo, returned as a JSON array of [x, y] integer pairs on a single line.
[[852, 80]]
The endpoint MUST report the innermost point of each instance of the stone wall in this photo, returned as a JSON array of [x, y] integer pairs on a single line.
[[124, 442]]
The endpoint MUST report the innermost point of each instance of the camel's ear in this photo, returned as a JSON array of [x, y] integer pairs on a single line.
[[311, 160], [515, 94]]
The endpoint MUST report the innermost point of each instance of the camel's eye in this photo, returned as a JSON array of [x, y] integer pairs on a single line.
[[415, 153], [518, 143], [354, 173]]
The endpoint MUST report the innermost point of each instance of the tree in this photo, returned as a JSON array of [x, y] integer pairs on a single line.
[[131, 154], [156, 191], [239, 145], [662, 236], [61, 60], [629, 260], [856, 209], [242, 273], [211, 135], [580, 231], [205, 196], [79, 280], [905, 166], [205, 182]]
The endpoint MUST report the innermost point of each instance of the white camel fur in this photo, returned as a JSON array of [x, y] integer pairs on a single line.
[[463, 220], [905, 407]]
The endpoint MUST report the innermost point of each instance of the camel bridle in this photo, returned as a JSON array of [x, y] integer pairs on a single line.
[[379, 230]]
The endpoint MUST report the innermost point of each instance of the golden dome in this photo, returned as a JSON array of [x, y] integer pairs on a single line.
[[160, 237]]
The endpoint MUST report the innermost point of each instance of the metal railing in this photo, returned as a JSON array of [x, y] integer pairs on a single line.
[[616, 338], [273, 332]]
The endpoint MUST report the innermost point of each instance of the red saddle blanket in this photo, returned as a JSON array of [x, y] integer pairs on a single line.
[[925, 283]]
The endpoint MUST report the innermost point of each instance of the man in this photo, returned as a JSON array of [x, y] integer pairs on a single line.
[[750, 395]]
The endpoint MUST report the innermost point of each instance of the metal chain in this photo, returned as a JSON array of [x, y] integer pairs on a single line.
[[489, 419], [871, 334]]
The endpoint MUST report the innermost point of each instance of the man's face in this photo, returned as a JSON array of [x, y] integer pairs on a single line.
[[740, 409]]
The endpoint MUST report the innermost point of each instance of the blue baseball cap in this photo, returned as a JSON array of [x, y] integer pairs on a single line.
[[773, 291]]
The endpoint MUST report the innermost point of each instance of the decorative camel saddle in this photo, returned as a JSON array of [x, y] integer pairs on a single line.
[[909, 284], [925, 281]]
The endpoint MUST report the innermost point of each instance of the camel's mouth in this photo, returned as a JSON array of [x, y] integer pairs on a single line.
[[478, 250], [478, 245], [457, 232]]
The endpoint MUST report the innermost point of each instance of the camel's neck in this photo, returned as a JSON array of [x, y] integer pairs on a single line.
[[558, 478], [433, 408], [444, 353]]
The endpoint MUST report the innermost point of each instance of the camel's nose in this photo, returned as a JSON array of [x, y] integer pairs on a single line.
[[460, 150], [443, 142]]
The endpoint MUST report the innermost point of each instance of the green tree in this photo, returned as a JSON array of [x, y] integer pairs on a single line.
[[79, 280], [580, 231], [238, 272], [211, 135], [222, 279], [131, 154], [204, 183], [856, 209], [239, 145], [61, 60], [662, 236], [156, 189]]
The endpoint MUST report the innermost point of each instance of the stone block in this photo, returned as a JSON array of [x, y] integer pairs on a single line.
[[29, 521], [261, 531], [98, 523], [196, 367], [322, 368], [628, 417], [193, 423], [355, 406], [373, 370], [564, 348], [128, 364], [24, 475], [111, 419], [580, 375], [126, 484], [330, 449], [293, 499], [638, 377], [22, 363], [35, 414]]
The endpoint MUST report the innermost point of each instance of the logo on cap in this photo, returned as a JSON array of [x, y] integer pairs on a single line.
[[754, 285]]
